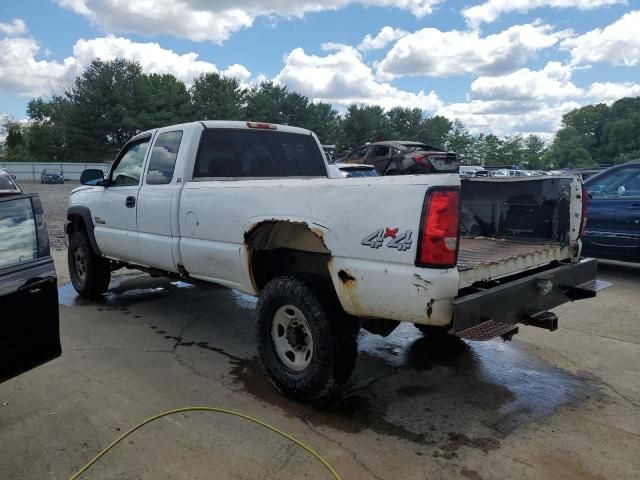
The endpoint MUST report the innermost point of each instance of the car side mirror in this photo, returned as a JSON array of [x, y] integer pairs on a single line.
[[91, 176], [621, 190]]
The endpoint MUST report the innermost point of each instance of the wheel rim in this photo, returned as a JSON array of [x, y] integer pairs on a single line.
[[80, 264], [292, 339]]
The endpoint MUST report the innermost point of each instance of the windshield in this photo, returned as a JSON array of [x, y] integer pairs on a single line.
[[51, 171]]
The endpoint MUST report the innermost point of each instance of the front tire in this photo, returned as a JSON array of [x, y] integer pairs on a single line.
[[90, 274], [306, 342]]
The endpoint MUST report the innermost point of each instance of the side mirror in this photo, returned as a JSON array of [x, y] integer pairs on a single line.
[[621, 190], [91, 176], [13, 177]]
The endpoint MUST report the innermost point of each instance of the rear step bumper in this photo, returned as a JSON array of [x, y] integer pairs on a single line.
[[498, 310]]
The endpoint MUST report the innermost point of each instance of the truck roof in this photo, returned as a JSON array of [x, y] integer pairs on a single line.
[[235, 124]]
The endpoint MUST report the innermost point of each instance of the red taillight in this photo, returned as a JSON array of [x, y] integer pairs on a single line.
[[440, 230], [264, 126], [585, 210], [421, 159]]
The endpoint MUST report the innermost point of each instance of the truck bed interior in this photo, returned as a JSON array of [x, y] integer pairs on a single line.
[[510, 225]]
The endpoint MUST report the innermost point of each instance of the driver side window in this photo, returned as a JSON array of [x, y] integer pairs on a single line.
[[128, 168], [622, 183]]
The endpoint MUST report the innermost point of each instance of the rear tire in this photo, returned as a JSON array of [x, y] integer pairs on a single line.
[[90, 274], [306, 342]]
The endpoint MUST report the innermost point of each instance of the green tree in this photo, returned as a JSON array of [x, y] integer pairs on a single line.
[[161, 100], [533, 153], [216, 97], [265, 103], [362, 124], [567, 150], [435, 131], [104, 109], [459, 140], [403, 123]]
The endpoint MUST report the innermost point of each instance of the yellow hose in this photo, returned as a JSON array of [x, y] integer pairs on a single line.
[[294, 440]]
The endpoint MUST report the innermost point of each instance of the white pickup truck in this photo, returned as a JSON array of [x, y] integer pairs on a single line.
[[255, 207]]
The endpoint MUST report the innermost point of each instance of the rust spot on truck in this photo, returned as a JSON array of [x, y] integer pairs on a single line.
[[346, 277], [430, 308]]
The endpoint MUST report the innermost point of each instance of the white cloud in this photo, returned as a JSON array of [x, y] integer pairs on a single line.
[[382, 39], [17, 26], [342, 78], [609, 92], [216, 21], [618, 43], [508, 117], [490, 10], [436, 53], [151, 56], [553, 82], [22, 73]]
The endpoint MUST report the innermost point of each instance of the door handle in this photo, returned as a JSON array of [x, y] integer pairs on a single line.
[[130, 202]]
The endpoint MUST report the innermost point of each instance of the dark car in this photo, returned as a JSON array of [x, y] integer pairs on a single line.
[[51, 175], [28, 284], [613, 226], [586, 173], [404, 158]]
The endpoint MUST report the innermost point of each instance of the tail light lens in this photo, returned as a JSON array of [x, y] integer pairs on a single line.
[[440, 230], [585, 210], [420, 159]]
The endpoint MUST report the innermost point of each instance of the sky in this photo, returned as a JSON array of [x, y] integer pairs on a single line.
[[500, 66]]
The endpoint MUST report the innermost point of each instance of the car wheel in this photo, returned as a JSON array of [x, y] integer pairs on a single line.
[[306, 342], [90, 273]]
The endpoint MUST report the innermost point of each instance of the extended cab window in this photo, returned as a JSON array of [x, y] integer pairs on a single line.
[[18, 239], [163, 158], [128, 168], [258, 154]]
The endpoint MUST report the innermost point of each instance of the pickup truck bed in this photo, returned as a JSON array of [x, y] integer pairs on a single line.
[[481, 258]]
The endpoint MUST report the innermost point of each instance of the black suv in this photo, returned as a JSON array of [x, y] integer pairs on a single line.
[[28, 283]]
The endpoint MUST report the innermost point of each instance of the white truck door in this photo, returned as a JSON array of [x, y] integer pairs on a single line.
[[157, 200], [114, 208]]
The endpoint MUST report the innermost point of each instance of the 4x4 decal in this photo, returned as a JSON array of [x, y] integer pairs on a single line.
[[400, 241]]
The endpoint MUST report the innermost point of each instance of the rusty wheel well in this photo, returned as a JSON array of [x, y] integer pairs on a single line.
[[280, 247]]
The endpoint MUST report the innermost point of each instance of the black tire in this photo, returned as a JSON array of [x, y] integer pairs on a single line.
[[90, 273], [333, 337]]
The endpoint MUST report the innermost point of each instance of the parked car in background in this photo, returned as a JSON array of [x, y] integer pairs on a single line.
[[473, 171], [356, 170], [613, 226], [28, 283], [400, 157], [51, 175]]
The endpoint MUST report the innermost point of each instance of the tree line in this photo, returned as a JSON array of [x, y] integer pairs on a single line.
[[111, 101]]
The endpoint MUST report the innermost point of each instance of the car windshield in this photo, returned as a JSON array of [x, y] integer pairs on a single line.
[[359, 172], [51, 171]]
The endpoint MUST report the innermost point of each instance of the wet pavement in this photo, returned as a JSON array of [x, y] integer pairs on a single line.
[[559, 405]]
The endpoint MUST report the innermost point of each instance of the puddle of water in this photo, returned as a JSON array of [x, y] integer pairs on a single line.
[[68, 297], [244, 301]]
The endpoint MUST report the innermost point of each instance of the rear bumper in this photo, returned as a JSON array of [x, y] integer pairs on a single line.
[[498, 310]]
